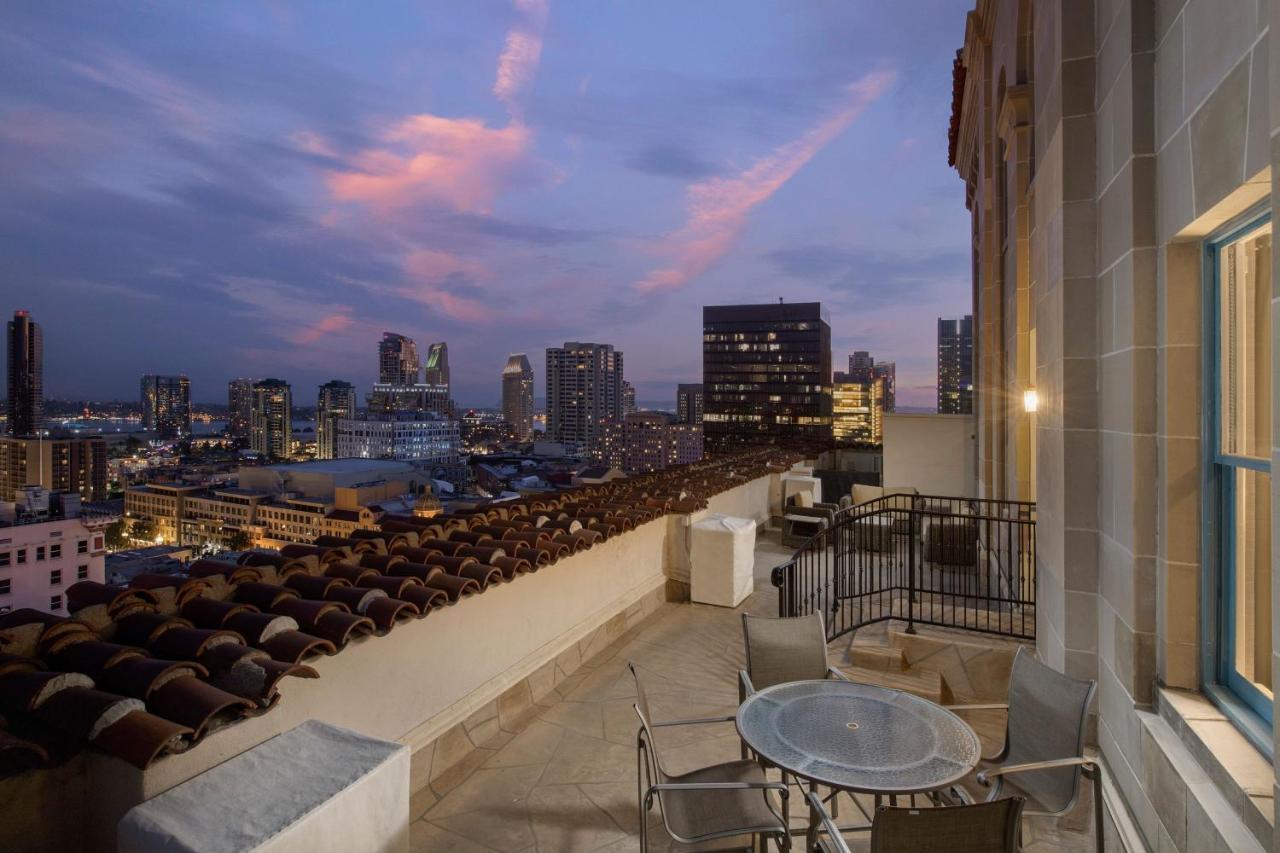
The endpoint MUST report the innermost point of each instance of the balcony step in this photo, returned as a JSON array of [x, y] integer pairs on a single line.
[[924, 683], [974, 670], [883, 658]]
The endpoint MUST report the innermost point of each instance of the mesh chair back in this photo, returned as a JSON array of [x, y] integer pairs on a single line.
[[1047, 716], [656, 773], [782, 650], [984, 828]]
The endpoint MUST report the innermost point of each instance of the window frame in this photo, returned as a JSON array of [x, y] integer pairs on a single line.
[[1238, 699]]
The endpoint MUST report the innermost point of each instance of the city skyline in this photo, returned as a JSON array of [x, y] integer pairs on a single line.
[[307, 167]]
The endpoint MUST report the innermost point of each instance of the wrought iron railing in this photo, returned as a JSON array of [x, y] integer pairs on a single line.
[[955, 562]]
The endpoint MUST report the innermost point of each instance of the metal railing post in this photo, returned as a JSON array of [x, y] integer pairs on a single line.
[[911, 571]]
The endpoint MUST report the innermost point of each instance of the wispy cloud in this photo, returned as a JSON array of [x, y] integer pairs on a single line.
[[323, 328], [519, 60], [719, 207], [460, 164], [448, 284]]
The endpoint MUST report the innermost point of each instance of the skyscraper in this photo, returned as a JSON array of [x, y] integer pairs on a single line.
[[26, 375], [857, 411], [271, 430], [689, 403], [584, 386], [240, 411], [517, 396], [861, 366], [337, 400], [766, 374], [628, 397], [166, 405], [955, 365], [436, 371], [398, 362], [888, 371]]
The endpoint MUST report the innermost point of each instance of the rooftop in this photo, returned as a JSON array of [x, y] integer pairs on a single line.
[[340, 466]]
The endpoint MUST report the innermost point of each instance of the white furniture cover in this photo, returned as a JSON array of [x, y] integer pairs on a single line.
[[792, 483], [723, 557], [316, 788]]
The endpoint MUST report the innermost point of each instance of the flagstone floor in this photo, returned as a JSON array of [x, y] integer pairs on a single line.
[[566, 781]]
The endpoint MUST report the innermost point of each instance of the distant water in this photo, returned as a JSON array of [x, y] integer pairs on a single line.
[[123, 425]]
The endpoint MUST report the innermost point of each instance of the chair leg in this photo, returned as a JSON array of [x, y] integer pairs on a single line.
[[1098, 824]]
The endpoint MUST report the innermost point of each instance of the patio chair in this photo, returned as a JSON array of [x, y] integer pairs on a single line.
[[723, 801], [781, 650], [802, 518], [1043, 756], [993, 827]]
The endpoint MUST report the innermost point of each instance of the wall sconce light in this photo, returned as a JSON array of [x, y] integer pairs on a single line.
[[1030, 400]]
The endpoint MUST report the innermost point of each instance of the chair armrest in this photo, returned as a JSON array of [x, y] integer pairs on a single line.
[[833, 831], [832, 672], [810, 512], [830, 507], [696, 721], [988, 706], [744, 682], [985, 776], [719, 786]]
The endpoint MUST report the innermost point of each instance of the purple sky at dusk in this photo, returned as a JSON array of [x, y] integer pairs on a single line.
[[260, 189]]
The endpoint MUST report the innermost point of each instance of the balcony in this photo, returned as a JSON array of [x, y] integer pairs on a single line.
[[563, 776]]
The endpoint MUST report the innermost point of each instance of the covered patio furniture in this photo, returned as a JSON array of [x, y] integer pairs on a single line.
[[726, 803], [1043, 756], [993, 827]]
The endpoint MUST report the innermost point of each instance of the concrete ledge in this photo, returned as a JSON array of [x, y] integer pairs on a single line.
[[316, 787]]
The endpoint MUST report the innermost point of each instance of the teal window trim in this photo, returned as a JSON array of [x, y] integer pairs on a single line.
[[1237, 698]]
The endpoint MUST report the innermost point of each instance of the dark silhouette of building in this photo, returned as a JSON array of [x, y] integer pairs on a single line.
[[26, 375], [766, 375], [240, 411], [166, 405], [861, 367], [517, 396], [337, 400], [955, 365], [689, 403]]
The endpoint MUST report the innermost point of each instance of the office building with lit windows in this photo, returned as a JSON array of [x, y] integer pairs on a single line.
[[857, 412], [336, 400], [166, 405], [271, 424], [766, 375], [955, 365], [517, 396], [584, 387]]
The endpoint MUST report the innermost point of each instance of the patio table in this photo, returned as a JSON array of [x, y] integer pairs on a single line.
[[856, 737]]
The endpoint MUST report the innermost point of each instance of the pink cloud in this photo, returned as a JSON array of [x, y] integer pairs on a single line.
[[522, 52], [719, 207], [323, 328], [457, 163], [429, 272]]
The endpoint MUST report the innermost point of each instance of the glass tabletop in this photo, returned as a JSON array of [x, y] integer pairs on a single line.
[[858, 737]]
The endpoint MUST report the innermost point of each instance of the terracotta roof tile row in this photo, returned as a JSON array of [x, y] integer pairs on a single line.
[[151, 668]]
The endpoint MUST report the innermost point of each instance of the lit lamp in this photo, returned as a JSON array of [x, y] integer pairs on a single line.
[[1030, 400]]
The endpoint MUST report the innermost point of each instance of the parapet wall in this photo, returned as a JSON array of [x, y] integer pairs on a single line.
[[443, 685]]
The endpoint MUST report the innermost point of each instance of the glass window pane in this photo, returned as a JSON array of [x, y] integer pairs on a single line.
[[1245, 341], [1251, 578]]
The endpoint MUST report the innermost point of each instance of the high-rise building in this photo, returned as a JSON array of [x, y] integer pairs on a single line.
[[689, 403], [436, 371], [955, 365], [240, 411], [861, 366], [857, 411], [26, 375], [271, 430], [517, 396], [766, 375], [398, 362], [584, 386], [628, 397], [166, 405], [57, 463], [337, 400], [647, 441], [888, 371]]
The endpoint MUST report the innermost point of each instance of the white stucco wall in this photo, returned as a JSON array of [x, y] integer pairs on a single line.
[[426, 676], [933, 453]]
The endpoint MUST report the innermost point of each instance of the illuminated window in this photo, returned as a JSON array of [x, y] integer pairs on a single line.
[[1239, 469]]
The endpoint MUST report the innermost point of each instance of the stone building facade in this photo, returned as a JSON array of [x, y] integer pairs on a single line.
[[1117, 158]]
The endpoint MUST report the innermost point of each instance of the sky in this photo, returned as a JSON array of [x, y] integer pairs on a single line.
[[263, 188]]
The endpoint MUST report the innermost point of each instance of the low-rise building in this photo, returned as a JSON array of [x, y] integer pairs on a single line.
[[419, 436], [46, 545], [56, 463]]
